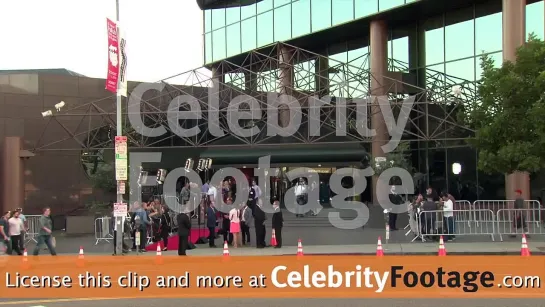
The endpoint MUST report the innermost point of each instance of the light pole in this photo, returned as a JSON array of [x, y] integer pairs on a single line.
[[119, 132]]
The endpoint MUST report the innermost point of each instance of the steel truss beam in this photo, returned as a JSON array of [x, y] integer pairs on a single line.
[[433, 117]]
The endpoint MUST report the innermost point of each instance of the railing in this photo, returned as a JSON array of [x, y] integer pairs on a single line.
[[482, 217], [33, 223]]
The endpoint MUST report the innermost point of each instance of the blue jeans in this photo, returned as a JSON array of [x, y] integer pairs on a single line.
[[449, 224], [44, 239]]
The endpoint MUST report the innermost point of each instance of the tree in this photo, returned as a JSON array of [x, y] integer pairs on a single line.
[[509, 113], [398, 158]]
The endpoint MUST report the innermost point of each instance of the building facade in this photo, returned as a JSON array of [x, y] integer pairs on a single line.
[[434, 44]]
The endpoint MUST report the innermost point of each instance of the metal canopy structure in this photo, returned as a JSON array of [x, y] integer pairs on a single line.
[[433, 118]]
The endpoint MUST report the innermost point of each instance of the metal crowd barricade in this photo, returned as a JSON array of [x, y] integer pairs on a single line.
[[103, 229], [514, 222], [432, 224], [496, 205], [470, 217], [33, 224]]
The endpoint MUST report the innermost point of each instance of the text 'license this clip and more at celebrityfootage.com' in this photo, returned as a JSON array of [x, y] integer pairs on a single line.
[[275, 276]]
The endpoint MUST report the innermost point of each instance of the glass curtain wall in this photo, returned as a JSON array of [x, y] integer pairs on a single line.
[[230, 31]]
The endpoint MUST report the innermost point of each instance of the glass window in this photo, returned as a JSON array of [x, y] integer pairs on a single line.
[[278, 3], [249, 34], [232, 15], [459, 40], [435, 76], [321, 14], [218, 37], [365, 7], [388, 4], [343, 11], [208, 48], [207, 21], [282, 23], [488, 34], [247, 11], [358, 62], [301, 20], [400, 52], [218, 18], [264, 5], [534, 19], [498, 61], [435, 48], [464, 69], [233, 39], [338, 77], [265, 31]]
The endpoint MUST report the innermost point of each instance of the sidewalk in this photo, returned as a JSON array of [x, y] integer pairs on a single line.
[[490, 248]]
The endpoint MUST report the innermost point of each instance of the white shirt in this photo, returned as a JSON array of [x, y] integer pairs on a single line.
[[233, 216], [448, 208], [257, 190], [15, 226], [242, 214], [212, 191], [300, 189]]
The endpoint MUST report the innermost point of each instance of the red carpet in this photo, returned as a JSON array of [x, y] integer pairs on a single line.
[[173, 240]]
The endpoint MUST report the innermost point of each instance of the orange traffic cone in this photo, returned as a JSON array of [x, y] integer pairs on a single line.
[[25, 256], [273, 239], [299, 248], [25, 265], [80, 256], [524, 250], [380, 252], [225, 250], [158, 253], [442, 249]]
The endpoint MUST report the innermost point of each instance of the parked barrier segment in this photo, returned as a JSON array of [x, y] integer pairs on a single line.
[[33, 224], [437, 223]]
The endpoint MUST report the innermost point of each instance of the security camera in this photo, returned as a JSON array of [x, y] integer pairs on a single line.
[[59, 105], [47, 113]]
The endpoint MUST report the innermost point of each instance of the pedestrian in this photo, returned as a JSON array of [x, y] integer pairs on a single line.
[[24, 231], [142, 221], [277, 223], [448, 216], [519, 222], [184, 230], [260, 232], [45, 233], [247, 222], [165, 226], [234, 227], [211, 225], [300, 197], [4, 232], [226, 225], [15, 231]]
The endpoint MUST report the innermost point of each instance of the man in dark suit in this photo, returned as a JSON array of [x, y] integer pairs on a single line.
[[211, 225], [260, 232], [277, 223], [184, 229]]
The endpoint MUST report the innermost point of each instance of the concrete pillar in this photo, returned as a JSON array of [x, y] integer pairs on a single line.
[[12, 169], [379, 68], [321, 70], [514, 31], [285, 67]]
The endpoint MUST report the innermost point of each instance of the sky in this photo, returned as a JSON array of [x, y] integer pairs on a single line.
[[164, 37]]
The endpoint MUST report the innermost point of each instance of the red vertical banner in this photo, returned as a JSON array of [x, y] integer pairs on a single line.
[[113, 57]]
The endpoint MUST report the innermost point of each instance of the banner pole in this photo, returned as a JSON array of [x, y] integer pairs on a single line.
[[119, 132]]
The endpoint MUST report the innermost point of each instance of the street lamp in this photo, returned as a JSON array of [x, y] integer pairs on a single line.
[[456, 168]]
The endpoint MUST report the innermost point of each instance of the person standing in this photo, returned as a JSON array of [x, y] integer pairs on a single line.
[[260, 232], [448, 216], [211, 225], [25, 227], [247, 221], [4, 232], [165, 226], [234, 228], [44, 233], [519, 222], [300, 197], [184, 229], [15, 231], [277, 223], [226, 225], [142, 222]]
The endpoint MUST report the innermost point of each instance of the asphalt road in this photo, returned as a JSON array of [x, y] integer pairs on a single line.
[[280, 303]]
